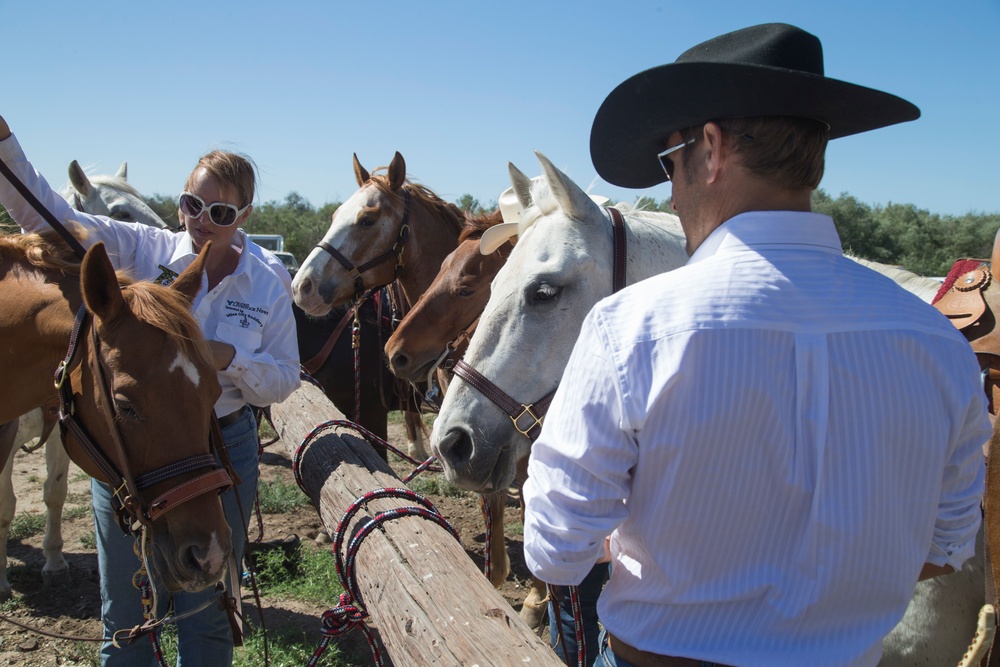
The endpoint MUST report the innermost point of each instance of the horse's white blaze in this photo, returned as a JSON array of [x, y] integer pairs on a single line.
[[187, 367], [215, 557]]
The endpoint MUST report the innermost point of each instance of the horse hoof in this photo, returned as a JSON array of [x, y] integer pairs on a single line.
[[56, 578], [6, 594], [534, 615]]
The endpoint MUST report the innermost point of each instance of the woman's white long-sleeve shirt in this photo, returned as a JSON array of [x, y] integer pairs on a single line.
[[251, 309], [776, 438]]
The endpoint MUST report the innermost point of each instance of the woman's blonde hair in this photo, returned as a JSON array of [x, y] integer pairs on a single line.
[[231, 170]]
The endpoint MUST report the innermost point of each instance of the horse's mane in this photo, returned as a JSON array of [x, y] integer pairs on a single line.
[[450, 213], [543, 203], [46, 250], [475, 225], [116, 183], [169, 311], [920, 285], [158, 306]]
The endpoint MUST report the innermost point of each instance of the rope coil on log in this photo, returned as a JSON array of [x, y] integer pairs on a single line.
[[350, 612], [367, 435]]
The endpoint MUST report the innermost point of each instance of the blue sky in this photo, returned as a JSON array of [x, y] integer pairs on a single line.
[[461, 88]]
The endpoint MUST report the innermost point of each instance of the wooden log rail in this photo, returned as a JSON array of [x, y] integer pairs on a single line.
[[429, 601]]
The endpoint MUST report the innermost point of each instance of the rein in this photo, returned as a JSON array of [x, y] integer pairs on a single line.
[[396, 251], [528, 417]]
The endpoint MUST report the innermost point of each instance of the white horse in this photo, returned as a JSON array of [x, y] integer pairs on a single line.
[[99, 195], [560, 268], [112, 196]]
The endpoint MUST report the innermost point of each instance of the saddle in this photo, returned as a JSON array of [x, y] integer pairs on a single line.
[[967, 304], [965, 300]]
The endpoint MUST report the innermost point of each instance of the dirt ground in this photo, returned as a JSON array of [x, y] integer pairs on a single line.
[[73, 608]]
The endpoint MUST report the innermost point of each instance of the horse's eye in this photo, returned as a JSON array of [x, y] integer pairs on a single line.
[[126, 410], [121, 215], [366, 221], [465, 290], [544, 293]]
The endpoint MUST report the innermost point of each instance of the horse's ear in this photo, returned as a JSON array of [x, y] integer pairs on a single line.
[[397, 172], [123, 171], [573, 201], [995, 257], [521, 185], [78, 178], [189, 282], [360, 173], [99, 284]]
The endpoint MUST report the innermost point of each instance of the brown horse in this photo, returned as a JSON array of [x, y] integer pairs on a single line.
[[437, 330], [439, 326], [389, 230], [138, 380]]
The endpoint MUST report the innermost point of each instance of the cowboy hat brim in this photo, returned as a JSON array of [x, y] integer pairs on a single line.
[[635, 120]]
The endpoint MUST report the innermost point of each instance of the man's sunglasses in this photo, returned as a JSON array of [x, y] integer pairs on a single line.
[[667, 162], [220, 213]]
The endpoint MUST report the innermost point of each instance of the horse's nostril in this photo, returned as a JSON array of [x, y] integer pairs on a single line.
[[400, 361], [460, 448]]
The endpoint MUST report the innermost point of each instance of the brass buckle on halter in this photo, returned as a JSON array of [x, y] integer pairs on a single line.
[[537, 421], [61, 373]]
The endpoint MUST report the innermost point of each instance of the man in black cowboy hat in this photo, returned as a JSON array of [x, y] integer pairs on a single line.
[[779, 441]]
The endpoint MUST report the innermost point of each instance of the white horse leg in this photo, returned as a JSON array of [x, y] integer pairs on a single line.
[[56, 570], [416, 433], [941, 619], [8, 504]]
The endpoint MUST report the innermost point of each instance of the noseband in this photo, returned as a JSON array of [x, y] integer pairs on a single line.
[[528, 417], [131, 512], [396, 251]]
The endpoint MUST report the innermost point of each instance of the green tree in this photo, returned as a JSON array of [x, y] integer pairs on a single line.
[[7, 225], [650, 204], [859, 230], [165, 206], [471, 205], [295, 219]]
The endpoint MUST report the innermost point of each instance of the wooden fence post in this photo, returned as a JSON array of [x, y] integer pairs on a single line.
[[430, 602]]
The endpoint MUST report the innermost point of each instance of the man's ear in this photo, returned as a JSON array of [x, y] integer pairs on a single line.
[[717, 153]]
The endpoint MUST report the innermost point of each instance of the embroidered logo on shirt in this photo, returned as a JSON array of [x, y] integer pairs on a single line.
[[245, 313], [166, 277]]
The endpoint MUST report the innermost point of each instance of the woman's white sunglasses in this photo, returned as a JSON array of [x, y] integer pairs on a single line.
[[220, 213]]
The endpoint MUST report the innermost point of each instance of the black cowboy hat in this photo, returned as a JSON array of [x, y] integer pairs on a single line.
[[773, 69]]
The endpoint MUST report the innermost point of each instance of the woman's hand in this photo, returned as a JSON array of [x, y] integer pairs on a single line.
[[4, 129], [222, 354]]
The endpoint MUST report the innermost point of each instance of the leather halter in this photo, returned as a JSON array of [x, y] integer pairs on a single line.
[[131, 512], [528, 417], [396, 251]]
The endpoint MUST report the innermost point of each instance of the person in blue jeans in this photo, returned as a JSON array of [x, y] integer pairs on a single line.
[[207, 634], [565, 645], [244, 308]]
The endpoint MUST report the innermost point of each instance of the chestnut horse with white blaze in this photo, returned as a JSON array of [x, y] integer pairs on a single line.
[[138, 391], [114, 197], [389, 230]]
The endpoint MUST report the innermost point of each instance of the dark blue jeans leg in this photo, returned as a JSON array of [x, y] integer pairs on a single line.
[[589, 589]]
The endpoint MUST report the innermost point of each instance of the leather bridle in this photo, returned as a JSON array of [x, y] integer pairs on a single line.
[[127, 502], [356, 273], [528, 417]]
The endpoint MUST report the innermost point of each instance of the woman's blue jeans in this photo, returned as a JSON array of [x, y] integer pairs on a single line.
[[205, 638]]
